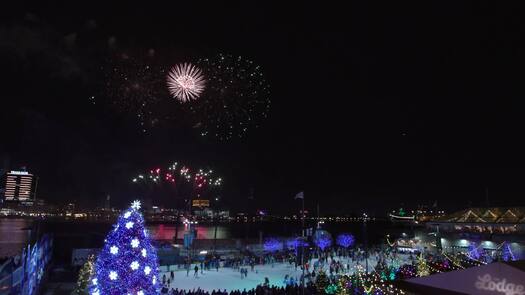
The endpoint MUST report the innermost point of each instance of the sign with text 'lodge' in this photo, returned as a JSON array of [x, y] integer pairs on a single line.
[[497, 278], [201, 203], [490, 283]]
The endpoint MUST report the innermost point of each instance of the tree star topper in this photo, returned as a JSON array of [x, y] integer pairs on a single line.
[[135, 205]]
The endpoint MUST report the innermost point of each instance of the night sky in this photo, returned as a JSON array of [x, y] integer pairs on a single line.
[[373, 105]]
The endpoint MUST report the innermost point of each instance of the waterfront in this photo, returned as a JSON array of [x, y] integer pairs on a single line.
[[84, 234], [15, 235]]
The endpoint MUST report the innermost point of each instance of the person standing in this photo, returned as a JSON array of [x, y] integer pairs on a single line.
[[196, 273]]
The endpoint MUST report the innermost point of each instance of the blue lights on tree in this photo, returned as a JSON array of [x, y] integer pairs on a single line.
[[127, 264], [323, 242], [506, 252], [473, 251], [296, 243], [272, 245], [345, 240]]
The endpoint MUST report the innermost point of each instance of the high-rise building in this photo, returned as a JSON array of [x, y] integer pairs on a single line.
[[18, 186], [107, 203]]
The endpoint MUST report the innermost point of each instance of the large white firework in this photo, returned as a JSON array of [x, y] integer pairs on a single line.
[[185, 82]]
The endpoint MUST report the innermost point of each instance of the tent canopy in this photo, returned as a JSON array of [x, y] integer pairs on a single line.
[[492, 279]]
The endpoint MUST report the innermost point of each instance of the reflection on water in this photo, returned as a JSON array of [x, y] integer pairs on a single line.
[[13, 235], [167, 231]]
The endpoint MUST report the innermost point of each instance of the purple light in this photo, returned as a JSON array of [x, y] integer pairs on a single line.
[[323, 242], [296, 243], [345, 240], [272, 245]]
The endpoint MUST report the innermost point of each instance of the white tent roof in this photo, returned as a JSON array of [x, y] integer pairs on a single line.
[[492, 279]]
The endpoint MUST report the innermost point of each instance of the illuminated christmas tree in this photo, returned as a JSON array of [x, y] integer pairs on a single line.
[[127, 264], [272, 245], [422, 267], [506, 252], [321, 282], [473, 251], [85, 274], [331, 289], [343, 285], [345, 240], [323, 242]]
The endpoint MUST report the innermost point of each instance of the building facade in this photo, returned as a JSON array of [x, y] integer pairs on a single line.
[[500, 231], [18, 187]]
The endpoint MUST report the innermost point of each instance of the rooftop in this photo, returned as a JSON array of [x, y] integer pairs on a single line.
[[486, 215]]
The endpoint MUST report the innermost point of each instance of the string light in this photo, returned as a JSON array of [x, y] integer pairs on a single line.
[[118, 263]]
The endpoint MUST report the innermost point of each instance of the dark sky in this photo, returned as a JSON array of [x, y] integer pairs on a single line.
[[373, 105]]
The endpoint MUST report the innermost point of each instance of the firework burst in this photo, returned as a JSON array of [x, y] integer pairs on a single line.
[[185, 82], [132, 87], [237, 98], [184, 179]]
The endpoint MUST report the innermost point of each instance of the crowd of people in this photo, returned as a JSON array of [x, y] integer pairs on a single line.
[[264, 289], [332, 262], [330, 265]]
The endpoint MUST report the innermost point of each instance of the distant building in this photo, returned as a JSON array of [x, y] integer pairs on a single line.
[[18, 187], [204, 213], [494, 220], [494, 229], [225, 214], [70, 208], [107, 203]]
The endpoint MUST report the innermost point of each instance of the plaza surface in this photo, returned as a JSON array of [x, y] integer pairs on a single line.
[[229, 279]]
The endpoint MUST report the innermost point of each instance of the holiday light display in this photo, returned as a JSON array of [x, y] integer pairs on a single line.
[[84, 276], [343, 285], [345, 240], [323, 242], [363, 283], [296, 243], [272, 245], [422, 266], [506, 253], [321, 282], [331, 289], [454, 260], [127, 264], [473, 251]]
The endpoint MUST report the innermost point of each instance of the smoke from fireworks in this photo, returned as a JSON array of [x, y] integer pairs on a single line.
[[236, 100], [185, 82]]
